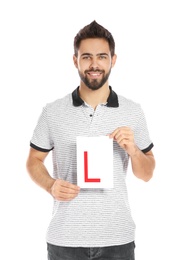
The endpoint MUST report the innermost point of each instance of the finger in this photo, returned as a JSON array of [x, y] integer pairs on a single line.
[[121, 135], [123, 142], [64, 194], [120, 130], [119, 139], [63, 189], [65, 197], [69, 185], [112, 135]]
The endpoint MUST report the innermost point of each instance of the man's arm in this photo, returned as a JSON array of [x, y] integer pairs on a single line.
[[143, 164], [59, 189]]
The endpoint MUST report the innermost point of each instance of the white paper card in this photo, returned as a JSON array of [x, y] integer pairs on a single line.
[[95, 162]]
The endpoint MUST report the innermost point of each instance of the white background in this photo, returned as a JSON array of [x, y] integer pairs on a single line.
[[36, 48]]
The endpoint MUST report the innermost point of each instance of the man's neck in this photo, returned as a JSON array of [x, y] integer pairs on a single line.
[[94, 97]]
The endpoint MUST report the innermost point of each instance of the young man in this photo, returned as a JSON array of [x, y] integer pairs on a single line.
[[90, 223]]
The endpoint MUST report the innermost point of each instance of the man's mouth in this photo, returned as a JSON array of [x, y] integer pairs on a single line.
[[94, 74]]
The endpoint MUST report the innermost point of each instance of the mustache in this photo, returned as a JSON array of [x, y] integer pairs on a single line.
[[92, 70]]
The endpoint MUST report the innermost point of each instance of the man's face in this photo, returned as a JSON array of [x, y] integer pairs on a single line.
[[94, 62]]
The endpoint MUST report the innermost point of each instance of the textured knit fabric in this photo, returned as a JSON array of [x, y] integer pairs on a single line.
[[96, 217]]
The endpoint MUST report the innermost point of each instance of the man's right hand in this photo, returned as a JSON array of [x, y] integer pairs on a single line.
[[64, 191]]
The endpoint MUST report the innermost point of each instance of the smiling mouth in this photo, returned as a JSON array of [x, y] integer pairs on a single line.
[[94, 74]]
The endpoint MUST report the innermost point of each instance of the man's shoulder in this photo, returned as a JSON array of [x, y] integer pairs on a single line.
[[127, 102], [60, 103]]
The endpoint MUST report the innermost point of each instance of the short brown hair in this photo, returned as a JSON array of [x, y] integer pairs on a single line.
[[94, 30]]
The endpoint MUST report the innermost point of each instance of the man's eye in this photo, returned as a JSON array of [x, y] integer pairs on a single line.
[[103, 57], [86, 57]]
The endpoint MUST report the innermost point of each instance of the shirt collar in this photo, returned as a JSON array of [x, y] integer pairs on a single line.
[[112, 100]]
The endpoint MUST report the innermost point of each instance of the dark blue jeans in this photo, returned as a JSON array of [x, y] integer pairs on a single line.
[[122, 252]]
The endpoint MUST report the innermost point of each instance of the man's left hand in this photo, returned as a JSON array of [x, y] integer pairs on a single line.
[[124, 136]]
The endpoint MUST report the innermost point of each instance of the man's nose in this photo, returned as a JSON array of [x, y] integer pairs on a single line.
[[94, 64]]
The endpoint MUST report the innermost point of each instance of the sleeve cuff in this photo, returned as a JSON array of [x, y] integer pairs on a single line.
[[148, 148], [40, 149]]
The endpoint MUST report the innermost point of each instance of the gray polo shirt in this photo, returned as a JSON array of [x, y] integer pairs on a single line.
[[96, 217]]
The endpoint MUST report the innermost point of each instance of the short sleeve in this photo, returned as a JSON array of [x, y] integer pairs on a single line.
[[41, 139], [141, 133]]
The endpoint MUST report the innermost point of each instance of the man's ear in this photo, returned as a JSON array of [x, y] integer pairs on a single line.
[[114, 58], [75, 61]]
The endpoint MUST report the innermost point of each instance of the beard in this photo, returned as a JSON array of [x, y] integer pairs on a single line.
[[94, 84]]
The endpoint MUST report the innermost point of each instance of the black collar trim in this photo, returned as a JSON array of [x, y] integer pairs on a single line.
[[112, 100]]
